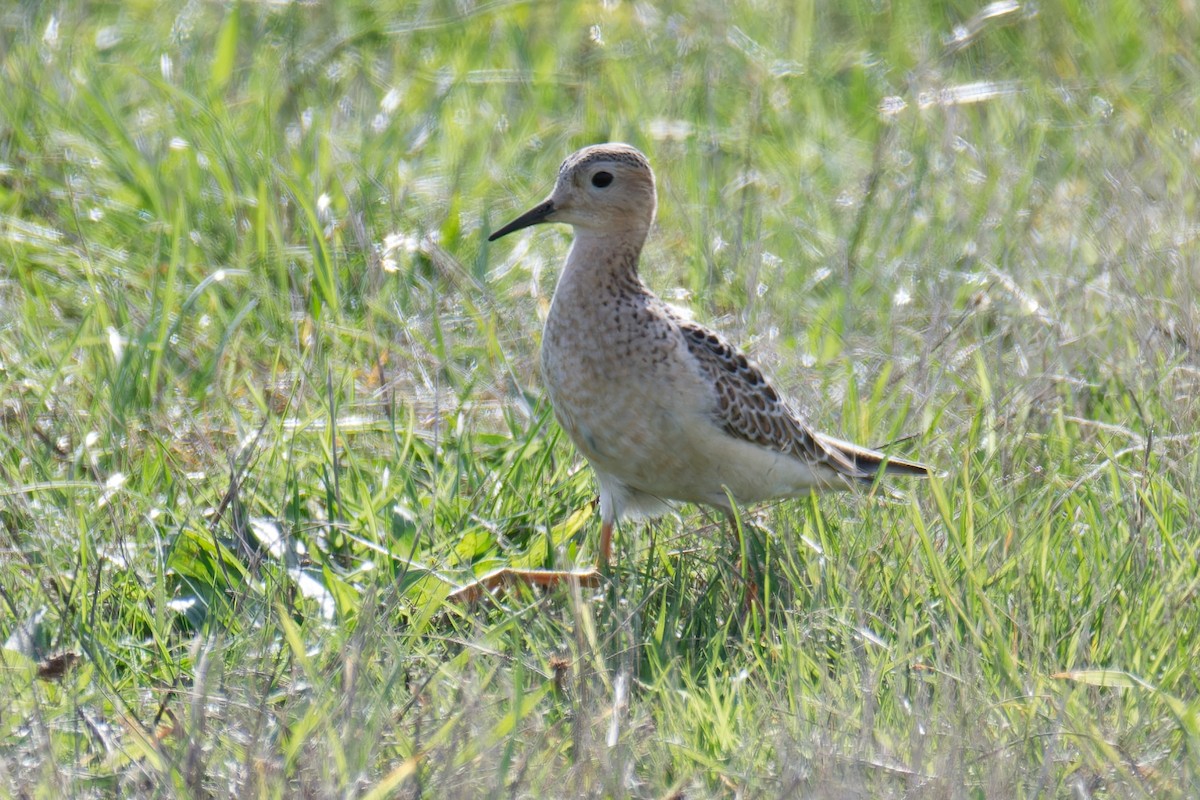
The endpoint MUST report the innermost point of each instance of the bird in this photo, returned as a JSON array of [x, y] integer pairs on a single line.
[[663, 409]]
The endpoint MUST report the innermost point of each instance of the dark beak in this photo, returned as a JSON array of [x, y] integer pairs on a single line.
[[531, 217]]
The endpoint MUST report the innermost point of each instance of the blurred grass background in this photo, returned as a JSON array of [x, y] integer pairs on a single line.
[[266, 394]]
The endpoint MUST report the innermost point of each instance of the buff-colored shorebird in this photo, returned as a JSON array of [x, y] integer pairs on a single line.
[[663, 409]]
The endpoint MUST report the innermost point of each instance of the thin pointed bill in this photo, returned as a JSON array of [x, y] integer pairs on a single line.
[[533, 216]]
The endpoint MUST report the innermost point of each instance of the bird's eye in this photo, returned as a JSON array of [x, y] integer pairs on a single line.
[[601, 179]]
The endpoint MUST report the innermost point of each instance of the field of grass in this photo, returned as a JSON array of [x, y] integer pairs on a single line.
[[267, 395]]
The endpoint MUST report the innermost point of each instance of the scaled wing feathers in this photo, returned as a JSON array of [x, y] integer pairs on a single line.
[[749, 408]]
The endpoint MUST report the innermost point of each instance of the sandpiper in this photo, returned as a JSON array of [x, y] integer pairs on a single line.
[[663, 409]]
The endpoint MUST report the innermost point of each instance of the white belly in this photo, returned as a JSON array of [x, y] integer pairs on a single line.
[[651, 434]]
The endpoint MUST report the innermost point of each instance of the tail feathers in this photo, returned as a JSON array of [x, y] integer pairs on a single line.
[[861, 462]]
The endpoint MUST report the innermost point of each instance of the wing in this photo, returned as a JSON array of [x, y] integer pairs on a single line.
[[749, 408]]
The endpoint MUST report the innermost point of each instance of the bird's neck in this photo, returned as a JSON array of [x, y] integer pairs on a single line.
[[603, 263]]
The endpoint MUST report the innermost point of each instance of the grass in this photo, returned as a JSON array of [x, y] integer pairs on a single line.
[[266, 393]]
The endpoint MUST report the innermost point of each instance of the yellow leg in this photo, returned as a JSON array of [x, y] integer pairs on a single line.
[[606, 532]]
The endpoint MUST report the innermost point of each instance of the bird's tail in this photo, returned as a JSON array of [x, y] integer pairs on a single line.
[[864, 463]]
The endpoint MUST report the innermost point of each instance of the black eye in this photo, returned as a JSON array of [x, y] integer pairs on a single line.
[[601, 179]]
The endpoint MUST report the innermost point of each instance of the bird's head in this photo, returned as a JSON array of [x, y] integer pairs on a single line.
[[605, 187]]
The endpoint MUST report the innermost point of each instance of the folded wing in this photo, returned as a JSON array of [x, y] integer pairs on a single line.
[[749, 408]]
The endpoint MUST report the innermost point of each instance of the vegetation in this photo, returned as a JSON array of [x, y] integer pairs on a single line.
[[267, 394]]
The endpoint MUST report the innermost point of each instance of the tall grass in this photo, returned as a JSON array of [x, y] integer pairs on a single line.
[[267, 395]]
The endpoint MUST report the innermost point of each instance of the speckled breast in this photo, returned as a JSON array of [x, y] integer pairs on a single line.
[[608, 371]]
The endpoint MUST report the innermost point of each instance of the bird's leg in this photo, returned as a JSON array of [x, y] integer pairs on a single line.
[[745, 562], [606, 532]]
